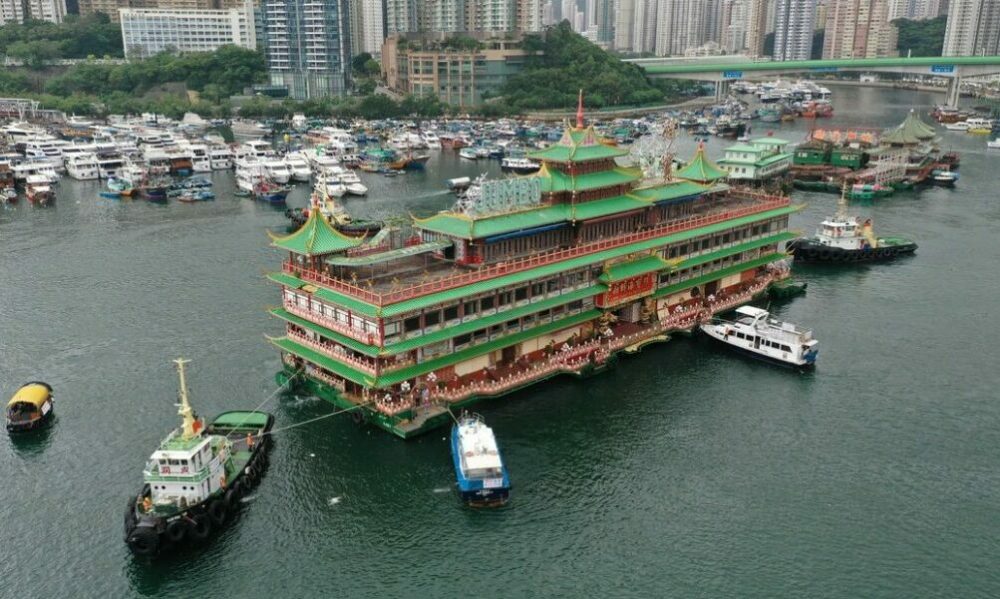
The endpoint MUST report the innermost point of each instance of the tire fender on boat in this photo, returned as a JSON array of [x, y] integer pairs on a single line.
[[218, 512], [144, 541], [201, 527], [177, 530], [233, 495]]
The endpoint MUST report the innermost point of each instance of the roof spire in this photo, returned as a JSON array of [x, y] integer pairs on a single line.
[[579, 111]]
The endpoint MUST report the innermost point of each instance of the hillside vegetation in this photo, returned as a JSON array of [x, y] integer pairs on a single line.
[[562, 62], [921, 38]]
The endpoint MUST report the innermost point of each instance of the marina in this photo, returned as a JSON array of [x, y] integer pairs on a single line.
[[679, 444]]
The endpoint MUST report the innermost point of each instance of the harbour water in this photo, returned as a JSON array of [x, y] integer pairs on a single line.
[[686, 471]]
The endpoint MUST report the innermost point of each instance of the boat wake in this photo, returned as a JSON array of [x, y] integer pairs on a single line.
[[441, 490]]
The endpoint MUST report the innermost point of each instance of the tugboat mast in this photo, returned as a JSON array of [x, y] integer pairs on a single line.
[[184, 408], [842, 203]]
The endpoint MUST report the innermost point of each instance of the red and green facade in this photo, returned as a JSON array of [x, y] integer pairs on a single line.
[[400, 331]]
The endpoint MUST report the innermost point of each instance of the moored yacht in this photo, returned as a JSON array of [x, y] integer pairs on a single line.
[[38, 190], [277, 170], [758, 335], [519, 165], [298, 167], [82, 167], [350, 180], [221, 157]]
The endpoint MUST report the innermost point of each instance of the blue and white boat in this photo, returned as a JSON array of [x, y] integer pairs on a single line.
[[482, 477]]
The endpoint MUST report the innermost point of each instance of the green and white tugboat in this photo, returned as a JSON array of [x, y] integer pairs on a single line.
[[193, 482]]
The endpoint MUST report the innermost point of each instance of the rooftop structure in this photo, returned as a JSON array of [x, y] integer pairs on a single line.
[[757, 160], [539, 275]]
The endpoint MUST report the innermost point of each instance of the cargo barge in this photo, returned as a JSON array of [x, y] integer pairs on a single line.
[[539, 276]]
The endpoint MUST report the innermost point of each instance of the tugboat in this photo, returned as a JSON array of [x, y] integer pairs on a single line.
[[334, 214], [842, 239], [758, 335], [194, 480], [482, 477], [30, 408]]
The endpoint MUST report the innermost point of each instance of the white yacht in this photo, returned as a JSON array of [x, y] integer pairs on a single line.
[[322, 162], [30, 168], [328, 183], [431, 140], [298, 166], [221, 157], [110, 164], [249, 173], [156, 159], [82, 167], [201, 162], [277, 170], [755, 333], [352, 182], [255, 149]]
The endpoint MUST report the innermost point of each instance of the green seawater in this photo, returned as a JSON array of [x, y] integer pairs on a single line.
[[687, 471]]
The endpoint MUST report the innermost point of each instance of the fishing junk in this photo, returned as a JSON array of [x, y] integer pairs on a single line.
[[548, 274]]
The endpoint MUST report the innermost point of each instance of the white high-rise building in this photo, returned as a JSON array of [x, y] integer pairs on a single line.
[[914, 9], [308, 46], [733, 22], [859, 29], [149, 31], [17, 11], [793, 29], [367, 26], [973, 28], [680, 24], [625, 25]]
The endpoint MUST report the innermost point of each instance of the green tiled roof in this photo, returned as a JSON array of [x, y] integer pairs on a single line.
[[670, 191], [334, 366], [911, 131], [769, 141], [286, 280], [488, 321], [358, 346], [388, 255], [459, 225], [398, 376], [557, 181], [701, 169], [560, 153], [719, 274], [578, 145], [316, 237], [626, 270]]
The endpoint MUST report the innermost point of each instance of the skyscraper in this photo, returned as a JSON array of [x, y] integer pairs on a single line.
[[367, 26], [18, 11], [733, 23], [973, 28], [400, 16], [914, 9], [680, 24], [793, 29], [308, 46], [624, 38], [756, 27], [859, 29]]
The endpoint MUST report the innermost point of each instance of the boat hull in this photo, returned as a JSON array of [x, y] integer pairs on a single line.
[[151, 535], [807, 251]]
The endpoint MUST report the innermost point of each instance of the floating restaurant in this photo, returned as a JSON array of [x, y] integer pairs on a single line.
[[537, 276]]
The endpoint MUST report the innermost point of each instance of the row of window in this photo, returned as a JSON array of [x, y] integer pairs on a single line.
[[764, 342]]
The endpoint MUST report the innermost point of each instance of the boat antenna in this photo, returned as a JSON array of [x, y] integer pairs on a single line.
[[842, 202], [184, 409]]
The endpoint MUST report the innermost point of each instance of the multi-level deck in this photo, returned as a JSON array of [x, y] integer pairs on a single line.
[[543, 275]]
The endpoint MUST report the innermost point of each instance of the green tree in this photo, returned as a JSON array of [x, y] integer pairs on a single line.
[[358, 63], [921, 38], [372, 68]]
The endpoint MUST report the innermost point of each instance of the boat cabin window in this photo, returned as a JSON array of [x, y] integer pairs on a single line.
[[786, 348]]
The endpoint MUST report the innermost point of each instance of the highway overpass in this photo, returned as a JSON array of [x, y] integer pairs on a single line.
[[723, 71]]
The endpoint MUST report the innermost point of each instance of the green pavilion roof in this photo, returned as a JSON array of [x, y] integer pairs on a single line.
[[701, 169], [556, 181], [466, 227], [578, 145], [315, 238], [910, 132], [634, 268]]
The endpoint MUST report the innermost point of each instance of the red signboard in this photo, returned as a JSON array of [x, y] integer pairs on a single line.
[[627, 289]]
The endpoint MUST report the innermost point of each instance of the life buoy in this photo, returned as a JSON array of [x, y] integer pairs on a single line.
[[144, 541], [201, 527], [218, 512], [177, 530]]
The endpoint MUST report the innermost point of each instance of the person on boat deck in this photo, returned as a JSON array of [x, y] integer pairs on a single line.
[[147, 504]]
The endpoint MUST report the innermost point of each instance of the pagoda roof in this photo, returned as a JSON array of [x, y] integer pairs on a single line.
[[701, 169], [578, 145], [316, 237], [910, 132], [554, 181]]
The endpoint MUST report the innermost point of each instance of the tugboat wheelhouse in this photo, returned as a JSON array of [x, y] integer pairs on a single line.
[[547, 274]]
